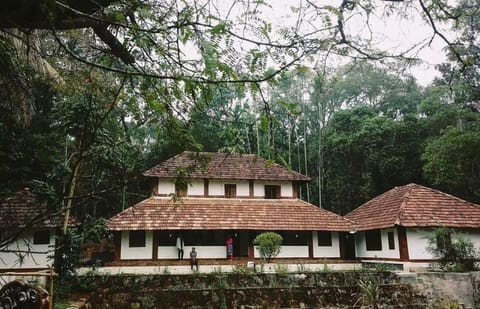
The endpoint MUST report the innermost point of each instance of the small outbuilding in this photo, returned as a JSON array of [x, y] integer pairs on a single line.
[[394, 226], [27, 232]]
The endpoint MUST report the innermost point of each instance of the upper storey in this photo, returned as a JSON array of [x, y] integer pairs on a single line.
[[211, 174]]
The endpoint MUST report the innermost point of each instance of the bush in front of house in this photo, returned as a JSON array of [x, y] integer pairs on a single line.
[[454, 250], [269, 244]]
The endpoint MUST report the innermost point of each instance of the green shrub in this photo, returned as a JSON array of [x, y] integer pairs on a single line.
[[269, 244], [454, 251], [369, 295]]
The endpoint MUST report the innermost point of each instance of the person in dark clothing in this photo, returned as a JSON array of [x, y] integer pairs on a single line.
[[193, 259]]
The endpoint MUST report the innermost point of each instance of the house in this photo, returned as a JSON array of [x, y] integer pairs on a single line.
[[206, 197], [27, 232], [393, 226]]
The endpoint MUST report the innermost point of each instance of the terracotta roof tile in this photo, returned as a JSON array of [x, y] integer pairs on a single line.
[[414, 205], [221, 214], [22, 209], [215, 165]]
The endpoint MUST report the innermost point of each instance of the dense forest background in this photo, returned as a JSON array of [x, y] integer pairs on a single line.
[[78, 125]]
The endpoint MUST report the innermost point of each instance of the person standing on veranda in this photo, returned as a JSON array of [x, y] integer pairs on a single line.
[[180, 245], [193, 259], [229, 244]]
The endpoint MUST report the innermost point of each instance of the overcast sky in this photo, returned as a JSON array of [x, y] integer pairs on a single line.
[[397, 32]]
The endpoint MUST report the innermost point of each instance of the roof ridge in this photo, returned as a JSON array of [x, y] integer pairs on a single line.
[[330, 212], [226, 165], [404, 199], [353, 211], [449, 195]]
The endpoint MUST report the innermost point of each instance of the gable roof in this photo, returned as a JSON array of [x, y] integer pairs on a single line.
[[415, 205], [23, 210], [216, 165], [158, 213]]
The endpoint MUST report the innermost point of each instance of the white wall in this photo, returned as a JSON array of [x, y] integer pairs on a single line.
[[474, 237], [203, 252], [166, 186], [286, 188], [127, 253], [28, 260], [217, 187], [417, 241], [288, 252], [196, 187], [332, 251], [361, 247]]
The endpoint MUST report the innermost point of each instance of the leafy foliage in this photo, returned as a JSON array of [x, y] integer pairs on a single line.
[[67, 255], [269, 244], [452, 161], [454, 250], [369, 295]]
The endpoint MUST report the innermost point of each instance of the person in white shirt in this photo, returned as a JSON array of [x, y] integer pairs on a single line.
[[180, 247]]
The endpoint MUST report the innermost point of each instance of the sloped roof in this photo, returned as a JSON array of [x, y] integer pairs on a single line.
[[216, 165], [415, 205], [158, 213], [22, 210]]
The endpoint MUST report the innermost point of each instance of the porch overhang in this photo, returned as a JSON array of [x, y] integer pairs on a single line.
[[158, 213]]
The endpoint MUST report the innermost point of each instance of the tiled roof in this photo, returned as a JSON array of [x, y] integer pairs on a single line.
[[22, 210], [414, 205], [215, 165], [221, 214]]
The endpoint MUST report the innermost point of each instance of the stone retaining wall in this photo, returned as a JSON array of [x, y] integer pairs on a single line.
[[222, 290], [349, 289], [441, 290]]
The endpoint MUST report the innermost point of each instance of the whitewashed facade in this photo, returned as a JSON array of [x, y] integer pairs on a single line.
[[29, 251], [386, 252], [219, 252], [262, 195], [166, 187]]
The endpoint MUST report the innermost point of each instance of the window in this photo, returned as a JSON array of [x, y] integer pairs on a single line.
[[324, 238], [41, 237], [136, 239], [373, 240], [272, 192], [230, 190], [391, 241], [181, 189], [166, 238], [294, 238], [204, 238]]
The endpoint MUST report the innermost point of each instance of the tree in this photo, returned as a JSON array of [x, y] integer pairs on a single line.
[[454, 250], [222, 120], [366, 155], [269, 244], [452, 162], [460, 73], [28, 153]]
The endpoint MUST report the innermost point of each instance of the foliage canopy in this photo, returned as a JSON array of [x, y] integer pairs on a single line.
[[269, 244]]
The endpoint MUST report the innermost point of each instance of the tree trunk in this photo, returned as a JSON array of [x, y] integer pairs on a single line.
[[69, 197]]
